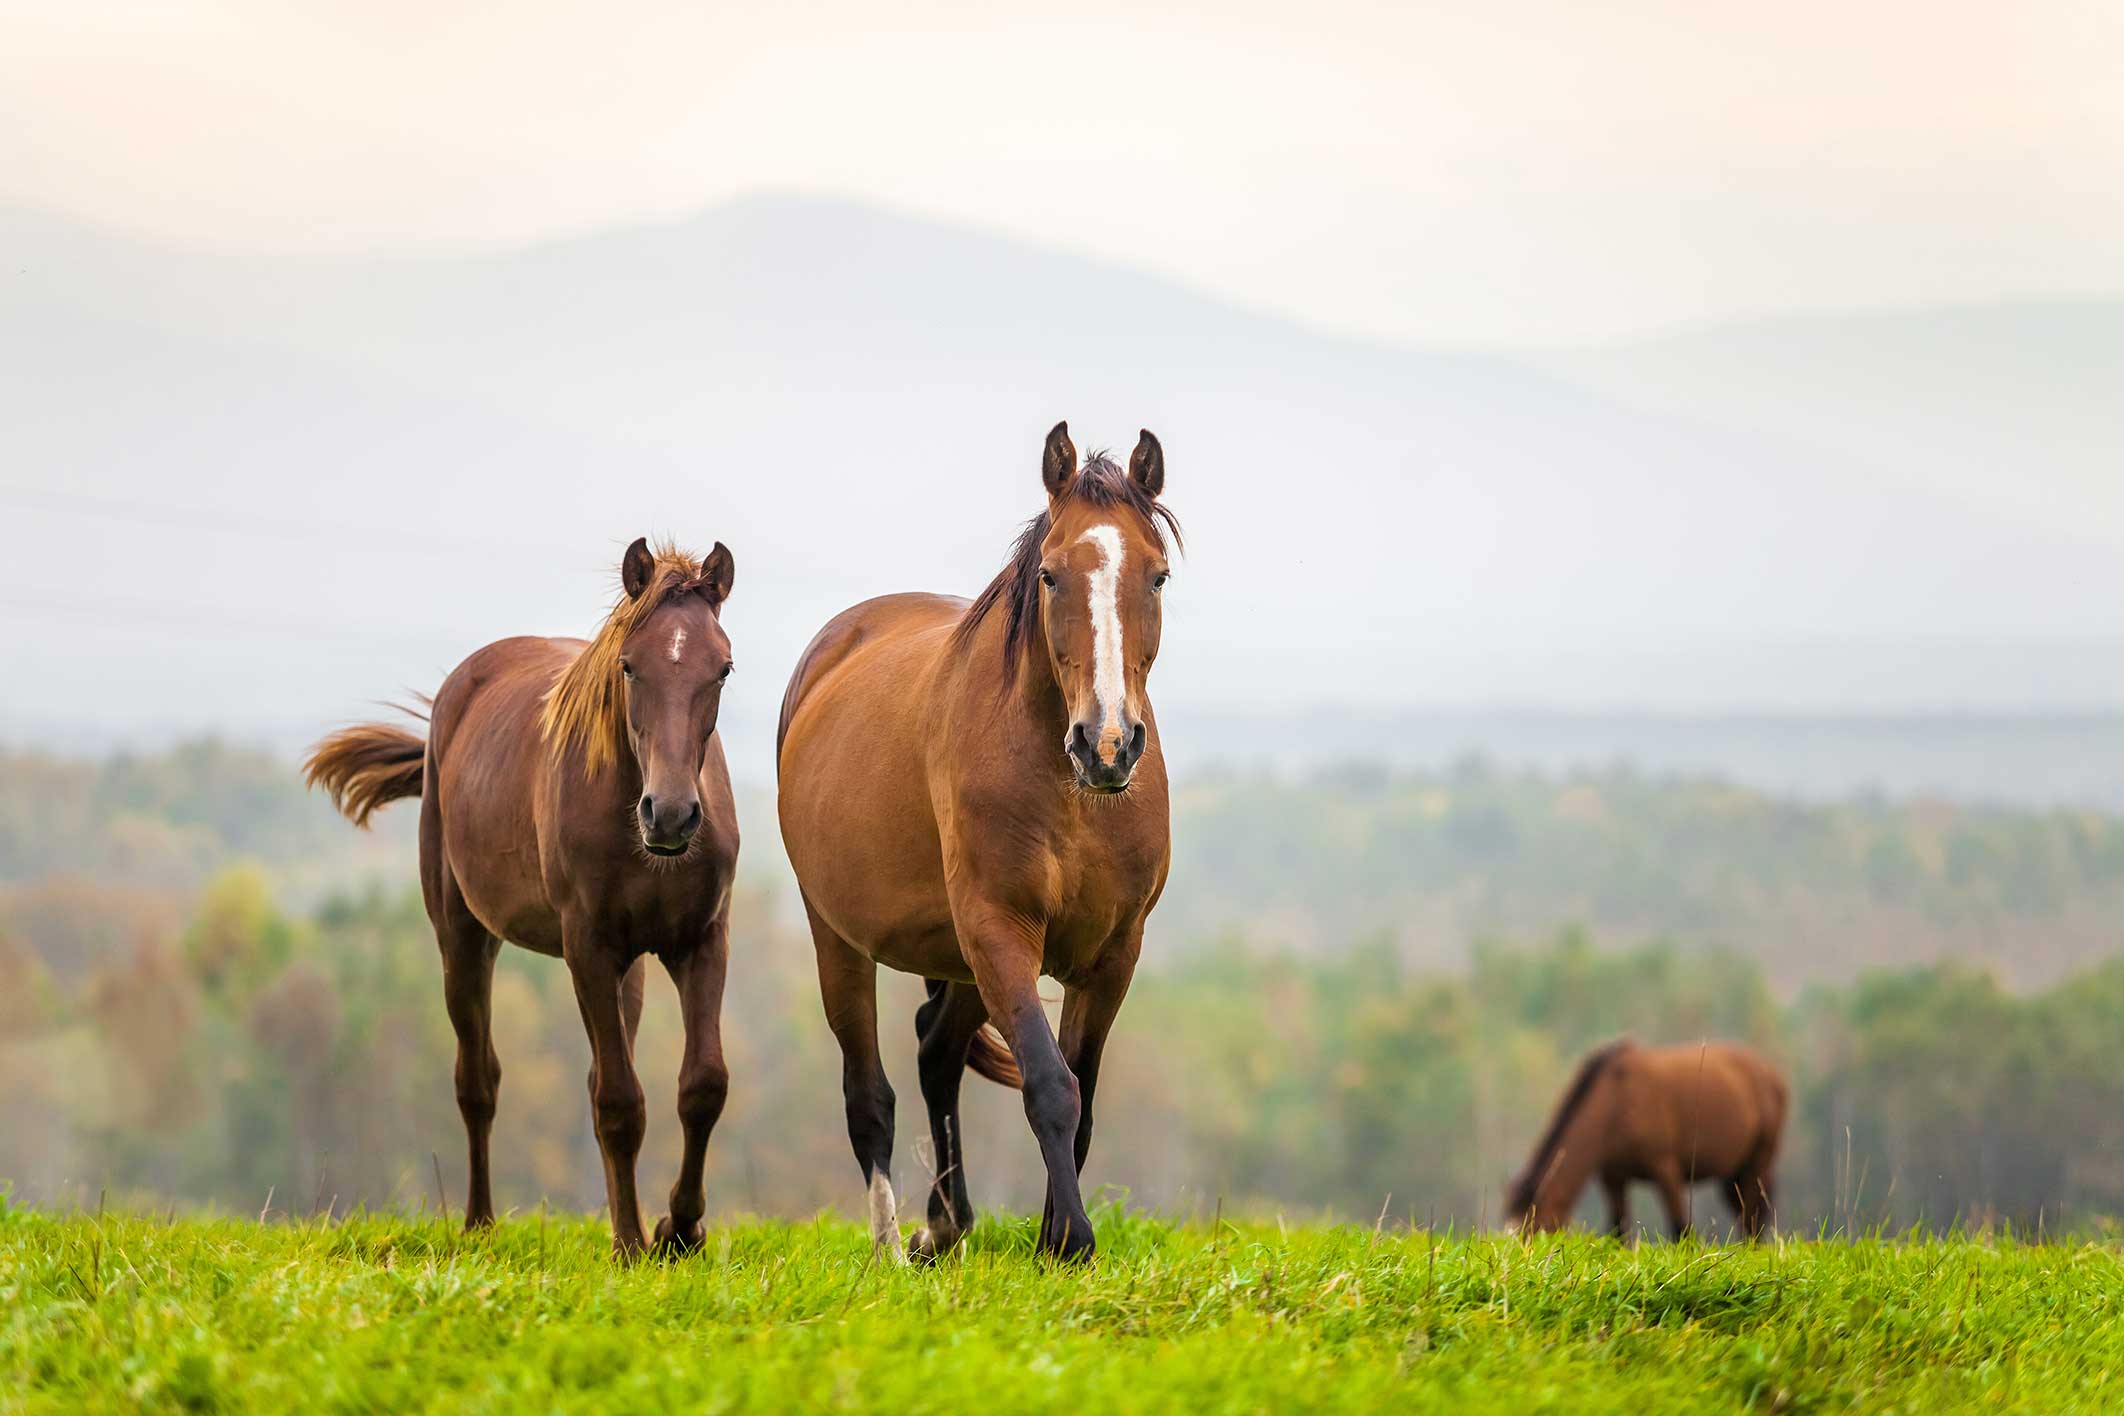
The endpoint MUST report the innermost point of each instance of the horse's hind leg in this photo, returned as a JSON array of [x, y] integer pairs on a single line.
[[703, 1084], [468, 952], [945, 1026], [1674, 1197], [1617, 1190], [1750, 1195], [848, 986]]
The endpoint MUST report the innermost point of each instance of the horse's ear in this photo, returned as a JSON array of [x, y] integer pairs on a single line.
[[1058, 461], [637, 568], [718, 572], [1147, 463]]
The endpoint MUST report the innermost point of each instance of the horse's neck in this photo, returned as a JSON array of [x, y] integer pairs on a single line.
[[616, 785], [1030, 709], [1580, 1147]]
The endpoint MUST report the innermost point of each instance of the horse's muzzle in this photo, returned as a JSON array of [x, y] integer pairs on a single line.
[[668, 823], [1110, 773]]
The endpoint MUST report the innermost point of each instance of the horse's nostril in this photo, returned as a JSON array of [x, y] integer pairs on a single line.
[[1079, 740], [647, 808], [693, 818], [1135, 743]]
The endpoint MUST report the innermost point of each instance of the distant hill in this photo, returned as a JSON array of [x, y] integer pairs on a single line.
[[244, 490], [2012, 407]]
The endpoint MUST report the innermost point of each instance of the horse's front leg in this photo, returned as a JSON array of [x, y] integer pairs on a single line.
[[1088, 1010], [703, 1083], [1004, 950], [615, 1095], [1617, 1189]]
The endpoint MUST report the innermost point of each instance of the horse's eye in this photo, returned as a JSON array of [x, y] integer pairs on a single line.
[[724, 676], [626, 670], [1158, 580], [1047, 579]]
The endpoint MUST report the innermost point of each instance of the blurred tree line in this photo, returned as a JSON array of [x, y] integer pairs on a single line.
[[250, 1051], [1810, 890], [94, 854]]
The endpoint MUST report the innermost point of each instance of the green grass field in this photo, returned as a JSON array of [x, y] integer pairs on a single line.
[[397, 1315]]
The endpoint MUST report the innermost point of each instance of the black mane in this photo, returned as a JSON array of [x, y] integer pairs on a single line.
[[1526, 1188]]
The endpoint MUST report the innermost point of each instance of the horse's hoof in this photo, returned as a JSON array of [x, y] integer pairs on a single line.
[[1072, 1248], [928, 1246], [671, 1244]]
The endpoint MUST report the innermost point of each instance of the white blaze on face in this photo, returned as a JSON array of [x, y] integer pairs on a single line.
[[678, 642], [1106, 637]]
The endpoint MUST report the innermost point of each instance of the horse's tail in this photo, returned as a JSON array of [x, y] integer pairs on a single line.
[[989, 1056], [367, 766]]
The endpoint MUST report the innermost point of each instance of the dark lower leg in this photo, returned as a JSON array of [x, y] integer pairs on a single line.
[[1088, 1012], [1618, 1193], [945, 1026], [1674, 1196], [1754, 1196], [1053, 1108], [848, 986]]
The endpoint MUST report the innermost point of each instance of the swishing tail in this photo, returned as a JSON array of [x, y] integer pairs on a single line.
[[367, 766], [989, 1057]]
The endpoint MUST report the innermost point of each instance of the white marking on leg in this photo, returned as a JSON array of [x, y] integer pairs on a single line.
[[884, 1215], [1106, 637], [678, 642]]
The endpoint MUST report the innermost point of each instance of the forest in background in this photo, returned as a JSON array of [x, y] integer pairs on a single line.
[[1361, 985]]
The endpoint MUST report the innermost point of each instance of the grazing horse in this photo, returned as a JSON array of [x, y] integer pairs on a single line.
[[574, 801], [1670, 1115], [974, 792]]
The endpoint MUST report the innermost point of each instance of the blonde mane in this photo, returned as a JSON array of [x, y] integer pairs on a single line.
[[585, 707]]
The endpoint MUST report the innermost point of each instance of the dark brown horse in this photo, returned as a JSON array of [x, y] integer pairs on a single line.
[[974, 792], [1669, 1115], [574, 800]]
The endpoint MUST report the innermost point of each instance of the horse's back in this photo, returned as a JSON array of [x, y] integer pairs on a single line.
[[1719, 1102], [886, 620], [856, 811]]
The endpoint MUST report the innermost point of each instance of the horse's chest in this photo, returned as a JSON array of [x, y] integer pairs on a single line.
[[1099, 891], [1102, 882]]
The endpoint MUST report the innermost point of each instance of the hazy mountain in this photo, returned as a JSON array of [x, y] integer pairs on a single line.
[[2016, 407], [245, 489]]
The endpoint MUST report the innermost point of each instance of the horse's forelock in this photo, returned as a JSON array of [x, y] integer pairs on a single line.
[[584, 708], [1101, 482]]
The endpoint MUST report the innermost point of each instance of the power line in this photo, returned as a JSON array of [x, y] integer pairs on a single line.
[[102, 610], [350, 537]]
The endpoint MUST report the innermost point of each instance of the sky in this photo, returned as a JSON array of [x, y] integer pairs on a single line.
[[1516, 172], [697, 241]]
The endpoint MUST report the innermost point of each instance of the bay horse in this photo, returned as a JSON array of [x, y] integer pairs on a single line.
[[973, 792], [1668, 1115], [574, 800]]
